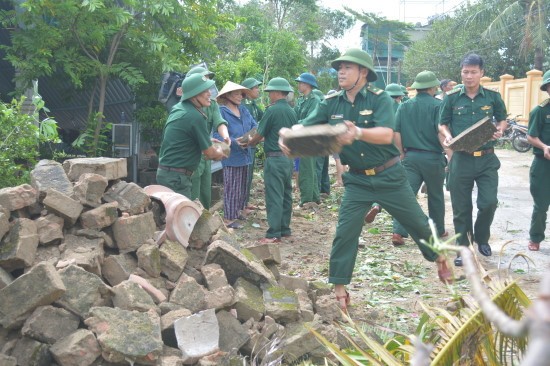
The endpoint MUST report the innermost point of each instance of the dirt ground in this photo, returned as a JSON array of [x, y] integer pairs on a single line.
[[390, 282]]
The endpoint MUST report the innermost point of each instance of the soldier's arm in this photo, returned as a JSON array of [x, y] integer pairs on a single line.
[[224, 133], [397, 142]]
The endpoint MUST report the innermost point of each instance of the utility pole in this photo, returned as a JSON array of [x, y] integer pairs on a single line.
[[389, 62]]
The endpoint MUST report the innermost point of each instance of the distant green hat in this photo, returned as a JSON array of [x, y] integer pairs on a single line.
[[250, 83], [202, 71], [195, 84], [545, 80], [359, 57], [307, 78], [318, 93], [404, 89], [278, 84], [394, 90], [424, 80]]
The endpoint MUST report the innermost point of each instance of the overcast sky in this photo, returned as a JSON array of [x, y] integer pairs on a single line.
[[411, 11]]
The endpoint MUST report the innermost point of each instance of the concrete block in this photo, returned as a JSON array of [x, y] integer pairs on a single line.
[[62, 205], [110, 168], [18, 248], [130, 232], [15, 198]]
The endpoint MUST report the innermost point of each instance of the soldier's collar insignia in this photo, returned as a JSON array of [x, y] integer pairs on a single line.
[[365, 112]]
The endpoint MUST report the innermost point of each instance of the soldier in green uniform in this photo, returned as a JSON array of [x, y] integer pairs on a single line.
[[539, 175], [417, 138], [185, 136], [202, 177], [461, 108], [305, 105], [322, 161], [250, 100], [394, 91], [375, 173], [278, 167], [250, 103]]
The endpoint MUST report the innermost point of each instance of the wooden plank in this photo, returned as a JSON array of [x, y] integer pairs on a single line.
[[318, 140], [475, 136]]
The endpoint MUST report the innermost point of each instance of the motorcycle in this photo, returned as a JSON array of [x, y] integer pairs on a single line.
[[516, 134], [519, 139]]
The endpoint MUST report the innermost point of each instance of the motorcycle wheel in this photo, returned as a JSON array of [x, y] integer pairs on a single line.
[[519, 143]]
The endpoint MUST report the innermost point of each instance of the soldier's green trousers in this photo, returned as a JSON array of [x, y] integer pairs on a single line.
[[250, 175], [307, 180], [278, 195], [539, 178], [429, 168], [323, 179], [202, 183], [178, 182], [464, 170], [392, 191]]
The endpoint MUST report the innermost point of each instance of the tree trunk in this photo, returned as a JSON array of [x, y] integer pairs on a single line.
[[100, 110], [539, 58]]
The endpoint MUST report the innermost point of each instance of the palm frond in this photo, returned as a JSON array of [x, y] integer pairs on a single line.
[[501, 22], [475, 336]]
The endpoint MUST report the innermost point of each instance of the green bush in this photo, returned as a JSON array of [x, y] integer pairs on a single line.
[[151, 123], [20, 137]]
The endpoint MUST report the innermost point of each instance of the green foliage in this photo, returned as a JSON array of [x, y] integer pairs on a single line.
[[86, 142], [21, 135], [235, 70], [151, 122], [94, 40], [500, 54]]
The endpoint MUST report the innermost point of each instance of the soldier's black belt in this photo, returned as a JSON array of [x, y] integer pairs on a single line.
[[178, 170], [407, 149], [480, 152], [274, 153], [377, 169]]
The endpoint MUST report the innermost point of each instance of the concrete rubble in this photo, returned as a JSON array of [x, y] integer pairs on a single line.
[[86, 278]]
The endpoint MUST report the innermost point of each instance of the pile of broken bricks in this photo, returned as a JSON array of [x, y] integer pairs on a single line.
[[88, 276]]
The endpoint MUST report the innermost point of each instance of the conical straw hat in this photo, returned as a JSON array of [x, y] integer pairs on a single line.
[[231, 86]]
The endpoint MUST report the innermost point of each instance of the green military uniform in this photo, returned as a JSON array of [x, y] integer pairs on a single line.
[[322, 161], [257, 113], [185, 136], [371, 108], [254, 109], [278, 169], [539, 174], [417, 122], [307, 175], [459, 112], [202, 177]]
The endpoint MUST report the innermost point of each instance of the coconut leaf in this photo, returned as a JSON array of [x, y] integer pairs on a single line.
[[475, 336]]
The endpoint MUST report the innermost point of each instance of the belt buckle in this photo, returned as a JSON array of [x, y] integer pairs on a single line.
[[477, 153], [370, 172]]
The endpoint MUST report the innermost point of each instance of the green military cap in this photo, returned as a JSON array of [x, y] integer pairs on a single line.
[[318, 93], [424, 80], [394, 90], [202, 71], [195, 84], [404, 90], [250, 83], [545, 80], [359, 57], [278, 84]]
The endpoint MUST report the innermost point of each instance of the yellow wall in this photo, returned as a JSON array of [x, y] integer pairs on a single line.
[[519, 95]]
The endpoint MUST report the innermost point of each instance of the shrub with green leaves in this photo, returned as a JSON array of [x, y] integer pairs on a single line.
[[20, 137]]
